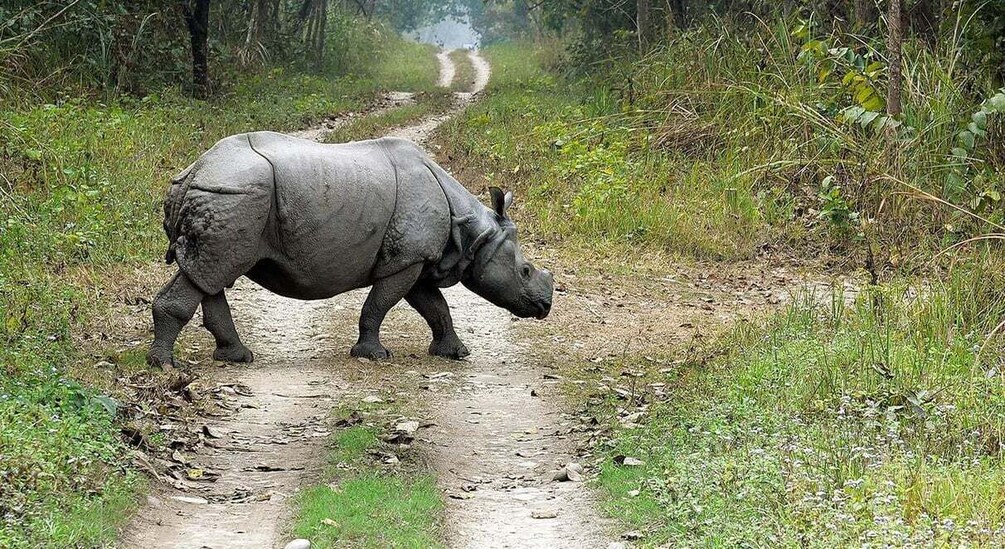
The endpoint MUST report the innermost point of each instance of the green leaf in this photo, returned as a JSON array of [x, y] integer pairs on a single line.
[[875, 67], [108, 403], [875, 103], [851, 114], [954, 185], [980, 118], [960, 153], [974, 129], [868, 118], [863, 94], [967, 139], [997, 102]]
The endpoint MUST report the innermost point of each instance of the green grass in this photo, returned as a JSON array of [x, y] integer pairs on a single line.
[[370, 127], [464, 70], [699, 151], [868, 425], [406, 66], [358, 504], [871, 425], [581, 178], [81, 183]]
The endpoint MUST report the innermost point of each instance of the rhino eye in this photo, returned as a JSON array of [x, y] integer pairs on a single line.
[[526, 271]]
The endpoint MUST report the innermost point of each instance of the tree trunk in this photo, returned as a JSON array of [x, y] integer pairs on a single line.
[[196, 14], [521, 15], [319, 29], [863, 14], [643, 23], [258, 20], [894, 47]]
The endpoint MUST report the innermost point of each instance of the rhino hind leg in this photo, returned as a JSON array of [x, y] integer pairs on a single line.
[[386, 293], [173, 307], [218, 320], [429, 302]]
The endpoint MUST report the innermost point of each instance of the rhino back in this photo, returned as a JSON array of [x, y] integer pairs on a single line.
[[332, 207]]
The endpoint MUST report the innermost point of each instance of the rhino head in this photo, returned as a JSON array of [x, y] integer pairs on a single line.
[[498, 270]]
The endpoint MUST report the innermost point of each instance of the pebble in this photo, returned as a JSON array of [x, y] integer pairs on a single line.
[[191, 499], [298, 544]]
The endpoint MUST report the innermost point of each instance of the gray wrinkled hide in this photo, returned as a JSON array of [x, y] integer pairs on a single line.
[[310, 221]]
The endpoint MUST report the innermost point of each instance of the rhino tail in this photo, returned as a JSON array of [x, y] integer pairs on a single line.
[[172, 210]]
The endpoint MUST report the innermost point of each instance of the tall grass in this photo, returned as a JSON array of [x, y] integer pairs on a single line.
[[832, 426], [720, 142], [877, 423]]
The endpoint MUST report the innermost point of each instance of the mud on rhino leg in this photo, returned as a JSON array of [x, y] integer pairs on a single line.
[[429, 302], [218, 320], [173, 308], [385, 294]]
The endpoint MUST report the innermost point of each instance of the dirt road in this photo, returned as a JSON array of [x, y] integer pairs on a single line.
[[495, 438]]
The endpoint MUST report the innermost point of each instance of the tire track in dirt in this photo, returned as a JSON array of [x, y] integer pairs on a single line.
[[264, 450], [496, 445], [491, 435]]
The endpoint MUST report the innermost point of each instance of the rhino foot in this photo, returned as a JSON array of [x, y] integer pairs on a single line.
[[164, 361], [371, 350], [233, 353], [449, 348]]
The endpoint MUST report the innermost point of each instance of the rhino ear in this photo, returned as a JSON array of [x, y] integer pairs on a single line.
[[501, 201]]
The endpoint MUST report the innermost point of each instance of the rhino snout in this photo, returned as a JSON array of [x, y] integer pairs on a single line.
[[544, 306]]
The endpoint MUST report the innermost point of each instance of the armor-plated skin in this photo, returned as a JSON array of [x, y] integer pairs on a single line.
[[311, 221]]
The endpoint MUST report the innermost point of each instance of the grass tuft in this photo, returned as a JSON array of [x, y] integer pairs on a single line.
[[363, 506]]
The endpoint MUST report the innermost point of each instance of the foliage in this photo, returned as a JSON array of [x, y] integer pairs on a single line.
[[139, 47], [833, 424]]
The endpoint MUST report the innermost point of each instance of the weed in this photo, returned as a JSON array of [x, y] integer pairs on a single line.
[[362, 505], [831, 426]]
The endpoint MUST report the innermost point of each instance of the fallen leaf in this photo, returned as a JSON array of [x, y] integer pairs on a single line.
[[545, 514]]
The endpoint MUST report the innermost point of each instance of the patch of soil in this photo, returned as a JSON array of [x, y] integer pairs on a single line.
[[388, 102]]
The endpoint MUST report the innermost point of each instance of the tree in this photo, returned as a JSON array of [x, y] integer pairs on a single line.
[[895, 42], [643, 22], [196, 14], [863, 14]]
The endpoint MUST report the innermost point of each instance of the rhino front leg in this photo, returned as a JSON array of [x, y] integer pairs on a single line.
[[429, 302], [385, 294], [173, 308], [218, 320]]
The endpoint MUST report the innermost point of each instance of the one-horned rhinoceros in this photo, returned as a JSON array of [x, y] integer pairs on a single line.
[[310, 221]]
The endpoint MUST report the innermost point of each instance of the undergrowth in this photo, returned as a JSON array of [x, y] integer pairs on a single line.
[[712, 148], [872, 422]]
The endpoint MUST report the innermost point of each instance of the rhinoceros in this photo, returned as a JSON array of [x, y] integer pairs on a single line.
[[311, 221]]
